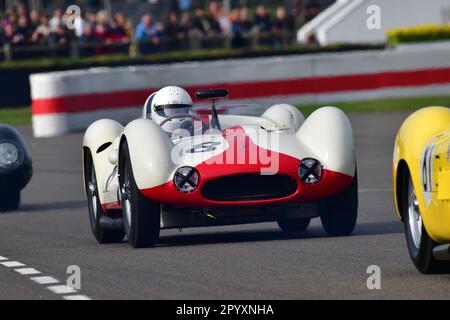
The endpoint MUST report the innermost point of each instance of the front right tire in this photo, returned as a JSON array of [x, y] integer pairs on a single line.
[[141, 215], [96, 212], [339, 213]]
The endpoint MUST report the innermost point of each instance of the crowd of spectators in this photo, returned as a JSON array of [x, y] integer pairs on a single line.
[[21, 26]]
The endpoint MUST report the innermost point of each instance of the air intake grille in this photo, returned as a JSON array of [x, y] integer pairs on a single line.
[[247, 187]]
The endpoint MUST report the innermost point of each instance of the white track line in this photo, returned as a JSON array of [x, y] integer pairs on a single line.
[[62, 289], [76, 297], [12, 264], [45, 280], [27, 271], [54, 285]]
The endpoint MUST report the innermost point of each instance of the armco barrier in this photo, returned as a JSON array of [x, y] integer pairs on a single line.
[[71, 100]]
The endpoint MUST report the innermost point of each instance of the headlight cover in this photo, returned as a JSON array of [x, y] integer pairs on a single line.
[[9, 154], [186, 179], [310, 171]]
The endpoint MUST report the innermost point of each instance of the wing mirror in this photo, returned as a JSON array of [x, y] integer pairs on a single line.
[[212, 93]]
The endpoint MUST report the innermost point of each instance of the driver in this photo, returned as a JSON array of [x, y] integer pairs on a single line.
[[168, 102]]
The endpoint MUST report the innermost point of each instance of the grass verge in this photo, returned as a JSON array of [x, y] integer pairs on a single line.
[[390, 104], [15, 116]]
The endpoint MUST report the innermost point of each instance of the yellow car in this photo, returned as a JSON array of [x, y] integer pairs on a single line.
[[421, 184]]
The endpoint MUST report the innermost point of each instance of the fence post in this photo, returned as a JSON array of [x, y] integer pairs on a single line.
[[254, 39], [7, 51], [229, 40], [134, 48], [194, 41], [74, 49]]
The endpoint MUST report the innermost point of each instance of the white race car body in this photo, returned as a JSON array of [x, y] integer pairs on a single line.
[[252, 163]]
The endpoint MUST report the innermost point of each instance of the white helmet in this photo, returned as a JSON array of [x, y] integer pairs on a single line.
[[170, 101]]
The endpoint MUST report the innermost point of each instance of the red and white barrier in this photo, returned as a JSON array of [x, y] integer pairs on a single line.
[[71, 100]]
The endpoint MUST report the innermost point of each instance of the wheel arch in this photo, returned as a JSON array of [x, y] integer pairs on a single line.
[[401, 177]]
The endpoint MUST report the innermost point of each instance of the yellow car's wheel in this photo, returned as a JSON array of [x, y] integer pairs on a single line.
[[420, 245]]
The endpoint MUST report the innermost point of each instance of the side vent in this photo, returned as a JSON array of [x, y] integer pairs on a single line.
[[103, 147]]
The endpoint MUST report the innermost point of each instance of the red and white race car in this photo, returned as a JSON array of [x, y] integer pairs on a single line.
[[177, 167]]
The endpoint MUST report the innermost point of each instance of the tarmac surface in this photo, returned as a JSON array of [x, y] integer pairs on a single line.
[[51, 232]]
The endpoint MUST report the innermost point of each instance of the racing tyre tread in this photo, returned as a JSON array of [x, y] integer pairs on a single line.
[[101, 234], [295, 225], [339, 213], [422, 257], [145, 213]]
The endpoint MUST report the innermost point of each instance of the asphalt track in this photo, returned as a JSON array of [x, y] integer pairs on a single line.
[[51, 232]]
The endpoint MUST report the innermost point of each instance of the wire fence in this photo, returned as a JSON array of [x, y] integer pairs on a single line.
[[134, 48]]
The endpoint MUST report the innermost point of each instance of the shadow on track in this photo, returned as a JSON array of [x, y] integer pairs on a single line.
[[362, 229]]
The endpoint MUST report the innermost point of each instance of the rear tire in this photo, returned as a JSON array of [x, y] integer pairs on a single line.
[[340, 212], [10, 200], [141, 215], [95, 209], [420, 245], [294, 225]]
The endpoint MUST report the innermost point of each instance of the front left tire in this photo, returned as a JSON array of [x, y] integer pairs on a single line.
[[294, 225], [420, 245], [141, 215]]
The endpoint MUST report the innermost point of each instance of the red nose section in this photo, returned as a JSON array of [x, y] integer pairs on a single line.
[[242, 159]]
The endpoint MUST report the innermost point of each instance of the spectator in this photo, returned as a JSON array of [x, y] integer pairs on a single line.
[[35, 19], [102, 17], [102, 33], [213, 9], [60, 36], [9, 35], [91, 18], [10, 18], [175, 32], [203, 24], [23, 30], [22, 10], [223, 20], [262, 20], [149, 33], [56, 20], [186, 21], [173, 28], [42, 32], [282, 22], [121, 26], [88, 36], [241, 26]]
